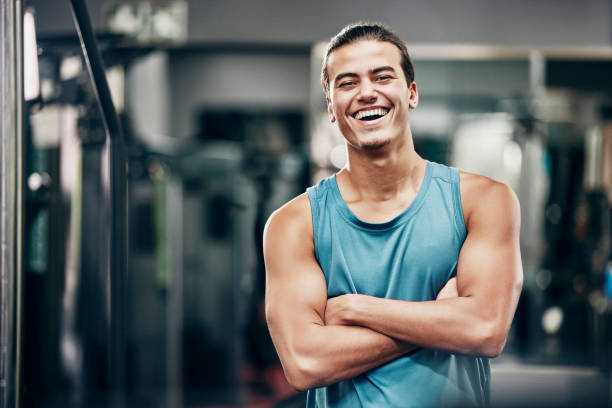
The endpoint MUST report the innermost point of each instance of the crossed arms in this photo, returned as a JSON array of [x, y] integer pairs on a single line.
[[321, 341]]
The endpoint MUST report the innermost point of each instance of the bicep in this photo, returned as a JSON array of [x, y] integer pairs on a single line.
[[489, 268], [295, 289], [296, 292]]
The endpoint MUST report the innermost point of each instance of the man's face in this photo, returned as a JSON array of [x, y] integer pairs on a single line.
[[368, 94]]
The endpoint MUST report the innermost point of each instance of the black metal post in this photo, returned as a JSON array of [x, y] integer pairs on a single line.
[[117, 191], [11, 200]]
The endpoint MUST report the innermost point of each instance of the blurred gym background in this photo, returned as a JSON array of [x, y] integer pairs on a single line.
[[132, 272]]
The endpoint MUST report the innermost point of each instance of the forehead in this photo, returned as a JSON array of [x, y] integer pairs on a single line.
[[362, 56]]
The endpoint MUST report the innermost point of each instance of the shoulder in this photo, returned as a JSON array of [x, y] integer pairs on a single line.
[[291, 223], [488, 200]]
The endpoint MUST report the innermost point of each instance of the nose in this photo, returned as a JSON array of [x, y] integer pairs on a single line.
[[367, 92]]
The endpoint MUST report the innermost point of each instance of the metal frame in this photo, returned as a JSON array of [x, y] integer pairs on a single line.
[[118, 204], [11, 199]]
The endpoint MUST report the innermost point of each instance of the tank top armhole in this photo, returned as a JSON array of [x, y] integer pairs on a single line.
[[459, 220], [314, 212]]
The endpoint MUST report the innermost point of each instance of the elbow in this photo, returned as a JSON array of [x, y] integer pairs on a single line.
[[298, 380], [493, 348], [492, 342], [299, 384], [301, 373]]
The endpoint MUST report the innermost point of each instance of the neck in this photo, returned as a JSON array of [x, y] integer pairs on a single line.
[[384, 174]]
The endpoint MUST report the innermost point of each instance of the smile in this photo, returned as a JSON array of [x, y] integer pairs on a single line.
[[371, 114]]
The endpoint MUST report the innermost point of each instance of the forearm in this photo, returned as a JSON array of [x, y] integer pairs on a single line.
[[324, 355], [458, 324]]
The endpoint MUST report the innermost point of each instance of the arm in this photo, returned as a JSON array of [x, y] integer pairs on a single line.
[[312, 354], [489, 281]]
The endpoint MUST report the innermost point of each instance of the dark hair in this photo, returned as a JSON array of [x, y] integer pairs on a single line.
[[366, 31]]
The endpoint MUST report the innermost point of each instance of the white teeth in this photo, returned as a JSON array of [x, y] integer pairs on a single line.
[[371, 112]]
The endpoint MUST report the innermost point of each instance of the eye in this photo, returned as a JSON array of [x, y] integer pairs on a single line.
[[383, 78], [347, 83]]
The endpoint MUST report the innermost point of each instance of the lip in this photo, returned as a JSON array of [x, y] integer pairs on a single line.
[[370, 123], [370, 107]]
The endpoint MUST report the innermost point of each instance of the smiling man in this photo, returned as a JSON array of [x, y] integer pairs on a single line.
[[390, 283]]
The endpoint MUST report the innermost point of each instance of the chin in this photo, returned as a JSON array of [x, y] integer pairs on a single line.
[[372, 144], [375, 144]]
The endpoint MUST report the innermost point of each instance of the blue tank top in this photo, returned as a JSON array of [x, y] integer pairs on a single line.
[[410, 258]]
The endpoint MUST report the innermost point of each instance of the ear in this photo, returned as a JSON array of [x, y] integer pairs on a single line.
[[330, 110], [413, 99]]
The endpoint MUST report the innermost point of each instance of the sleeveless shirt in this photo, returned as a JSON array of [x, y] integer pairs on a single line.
[[410, 257]]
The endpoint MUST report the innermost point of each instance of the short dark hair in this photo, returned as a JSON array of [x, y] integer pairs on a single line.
[[366, 31]]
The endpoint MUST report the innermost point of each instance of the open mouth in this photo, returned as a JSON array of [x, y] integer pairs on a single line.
[[371, 114]]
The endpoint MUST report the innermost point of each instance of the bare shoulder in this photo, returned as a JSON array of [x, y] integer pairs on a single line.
[[291, 224], [485, 199]]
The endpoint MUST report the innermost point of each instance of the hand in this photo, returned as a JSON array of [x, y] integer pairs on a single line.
[[339, 308], [449, 290]]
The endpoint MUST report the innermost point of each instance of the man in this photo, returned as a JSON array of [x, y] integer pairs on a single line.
[[360, 297]]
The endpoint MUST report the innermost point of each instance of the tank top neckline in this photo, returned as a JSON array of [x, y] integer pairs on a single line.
[[401, 218]]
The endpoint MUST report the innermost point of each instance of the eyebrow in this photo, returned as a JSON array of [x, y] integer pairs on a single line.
[[372, 71], [380, 69]]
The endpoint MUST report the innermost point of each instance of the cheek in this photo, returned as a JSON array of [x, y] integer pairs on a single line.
[[339, 113], [402, 102], [341, 101], [339, 107]]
